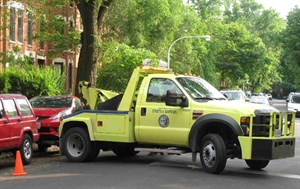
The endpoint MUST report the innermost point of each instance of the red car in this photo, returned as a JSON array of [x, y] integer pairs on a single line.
[[18, 126], [49, 110]]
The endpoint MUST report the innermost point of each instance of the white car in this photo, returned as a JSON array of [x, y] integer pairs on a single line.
[[260, 100], [293, 102], [235, 95]]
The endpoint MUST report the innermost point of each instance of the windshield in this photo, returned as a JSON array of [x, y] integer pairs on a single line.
[[198, 88], [51, 102], [295, 99]]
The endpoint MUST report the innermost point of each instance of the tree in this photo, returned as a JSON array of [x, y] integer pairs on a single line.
[[92, 14], [120, 61], [154, 26], [291, 43]]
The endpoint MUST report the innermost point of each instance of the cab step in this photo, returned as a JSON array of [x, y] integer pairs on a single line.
[[162, 151]]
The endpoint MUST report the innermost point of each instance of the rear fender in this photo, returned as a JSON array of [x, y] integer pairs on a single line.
[[86, 123], [25, 130]]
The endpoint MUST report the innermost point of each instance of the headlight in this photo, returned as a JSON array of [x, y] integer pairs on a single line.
[[61, 114], [245, 122]]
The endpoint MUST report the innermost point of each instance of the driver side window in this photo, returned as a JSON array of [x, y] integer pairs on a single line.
[[158, 89]]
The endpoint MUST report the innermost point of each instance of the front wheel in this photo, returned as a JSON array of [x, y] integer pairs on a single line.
[[257, 164], [213, 153], [26, 149], [78, 147]]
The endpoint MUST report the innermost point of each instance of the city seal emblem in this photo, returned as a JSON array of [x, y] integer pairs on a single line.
[[163, 121]]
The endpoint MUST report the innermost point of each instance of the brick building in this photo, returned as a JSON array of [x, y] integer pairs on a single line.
[[17, 31]]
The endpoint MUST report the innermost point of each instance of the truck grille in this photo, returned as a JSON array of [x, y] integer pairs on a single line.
[[273, 124]]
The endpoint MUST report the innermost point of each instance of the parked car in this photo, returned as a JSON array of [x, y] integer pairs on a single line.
[[260, 100], [236, 95], [18, 126], [293, 102], [49, 110], [270, 97]]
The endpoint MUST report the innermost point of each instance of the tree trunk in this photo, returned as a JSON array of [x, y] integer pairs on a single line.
[[92, 14]]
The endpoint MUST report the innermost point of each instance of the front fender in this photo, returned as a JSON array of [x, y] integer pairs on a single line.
[[199, 128]]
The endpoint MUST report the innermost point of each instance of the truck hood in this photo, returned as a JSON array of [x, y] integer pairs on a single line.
[[244, 108]]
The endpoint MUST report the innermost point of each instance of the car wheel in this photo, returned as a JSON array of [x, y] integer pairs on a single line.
[[213, 153], [26, 149]]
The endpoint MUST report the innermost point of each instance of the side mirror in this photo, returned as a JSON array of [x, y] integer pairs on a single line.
[[175, 99]]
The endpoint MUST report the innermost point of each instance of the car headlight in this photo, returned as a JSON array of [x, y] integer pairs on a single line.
[[61, 114]]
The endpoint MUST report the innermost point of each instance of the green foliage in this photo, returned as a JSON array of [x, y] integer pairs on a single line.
[[155, 25], [119, 62], [290, 64], [31, 81], [245, 50]]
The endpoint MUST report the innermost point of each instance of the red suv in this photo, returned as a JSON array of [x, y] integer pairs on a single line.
[[18, 126]]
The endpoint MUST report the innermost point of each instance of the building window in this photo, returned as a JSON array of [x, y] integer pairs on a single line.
[[29, 34], [58, 67], [42, 44], [20, 25], [12, 24], [41, 63]]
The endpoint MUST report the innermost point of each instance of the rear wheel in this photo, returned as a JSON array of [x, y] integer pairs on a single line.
[[257, 164], [78, 147], [213, 153], [26, 149]]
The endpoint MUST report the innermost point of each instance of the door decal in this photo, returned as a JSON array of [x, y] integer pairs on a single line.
[[163, 121]]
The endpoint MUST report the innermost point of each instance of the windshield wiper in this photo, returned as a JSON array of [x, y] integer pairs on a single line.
[[210, 98], [204, 98]]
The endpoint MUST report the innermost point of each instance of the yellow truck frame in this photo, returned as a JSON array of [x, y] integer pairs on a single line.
[[214, 128]]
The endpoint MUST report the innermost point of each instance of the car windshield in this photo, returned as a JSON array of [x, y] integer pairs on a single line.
[[296, 99], [199, 89], [233, 95], [51, 102]]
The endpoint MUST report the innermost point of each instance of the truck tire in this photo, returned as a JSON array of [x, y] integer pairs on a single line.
[[257, 164], [124, 150], [213, 153], [26, 149], [78, 147]]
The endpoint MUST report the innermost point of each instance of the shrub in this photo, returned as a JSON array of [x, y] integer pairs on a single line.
[[31, 81]]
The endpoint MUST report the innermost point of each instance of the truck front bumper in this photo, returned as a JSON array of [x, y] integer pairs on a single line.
[[267, 149]]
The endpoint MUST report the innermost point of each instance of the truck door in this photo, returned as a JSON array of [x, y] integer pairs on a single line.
[[158, 123]]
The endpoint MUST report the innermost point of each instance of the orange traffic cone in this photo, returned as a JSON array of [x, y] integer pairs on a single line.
[[19, 169]]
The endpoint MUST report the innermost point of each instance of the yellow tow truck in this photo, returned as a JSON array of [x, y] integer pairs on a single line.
[[168, 113]]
